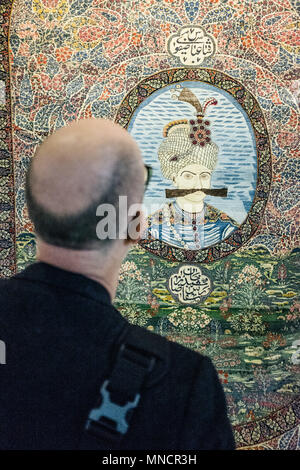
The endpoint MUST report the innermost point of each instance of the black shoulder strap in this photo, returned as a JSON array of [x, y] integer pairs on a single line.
[[142, 360]]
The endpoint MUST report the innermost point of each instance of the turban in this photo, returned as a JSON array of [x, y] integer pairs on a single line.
[[188, 141]]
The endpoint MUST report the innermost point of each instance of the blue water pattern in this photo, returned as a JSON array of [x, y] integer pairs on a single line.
[[231, 131]]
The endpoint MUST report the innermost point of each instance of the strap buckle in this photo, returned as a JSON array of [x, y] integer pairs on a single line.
[[110, 419], [110, 415]]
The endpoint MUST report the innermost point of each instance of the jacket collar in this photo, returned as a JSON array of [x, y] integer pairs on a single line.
[[77, 283]]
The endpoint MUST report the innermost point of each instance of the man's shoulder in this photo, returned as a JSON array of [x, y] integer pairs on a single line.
[[214, 215], [3, 282], [6, 286], [178, 359], [11, 286]]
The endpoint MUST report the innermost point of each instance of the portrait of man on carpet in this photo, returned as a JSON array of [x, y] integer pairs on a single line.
[[188, 157], [196, 212]]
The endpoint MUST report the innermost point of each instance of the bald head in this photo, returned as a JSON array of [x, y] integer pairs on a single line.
[[79, 167]]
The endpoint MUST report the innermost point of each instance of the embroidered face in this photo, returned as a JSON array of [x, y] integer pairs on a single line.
[[193, 176]]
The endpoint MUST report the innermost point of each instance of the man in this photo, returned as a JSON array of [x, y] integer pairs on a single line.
[[188, 157], [62, 333]]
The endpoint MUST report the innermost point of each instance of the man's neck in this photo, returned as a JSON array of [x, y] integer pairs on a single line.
[[103, 269], [190, 206]]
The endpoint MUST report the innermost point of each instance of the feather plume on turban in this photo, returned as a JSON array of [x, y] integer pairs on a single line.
[[188, 141]]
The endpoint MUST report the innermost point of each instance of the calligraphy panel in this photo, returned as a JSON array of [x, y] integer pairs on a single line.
[[191, 45], [189, 285]]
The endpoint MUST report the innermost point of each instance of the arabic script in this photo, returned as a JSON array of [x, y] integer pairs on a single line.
[[191, 44], [189, 285]]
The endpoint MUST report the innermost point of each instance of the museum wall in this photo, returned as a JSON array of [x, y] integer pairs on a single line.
[[208, 89]]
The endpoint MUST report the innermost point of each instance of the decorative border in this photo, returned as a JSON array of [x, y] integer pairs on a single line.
[[272, 426], [7, 195], [264, 168]]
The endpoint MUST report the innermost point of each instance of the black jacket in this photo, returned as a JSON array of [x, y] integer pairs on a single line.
[[60, 329]]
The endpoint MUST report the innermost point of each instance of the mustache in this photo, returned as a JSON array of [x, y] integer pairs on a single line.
[[219, 192]]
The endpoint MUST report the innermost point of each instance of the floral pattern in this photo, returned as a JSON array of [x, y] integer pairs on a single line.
[[99, 45], [189, 319], [249, 326], [71, 59]]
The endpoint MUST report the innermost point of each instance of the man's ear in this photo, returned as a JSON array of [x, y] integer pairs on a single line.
[[136, 226]]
